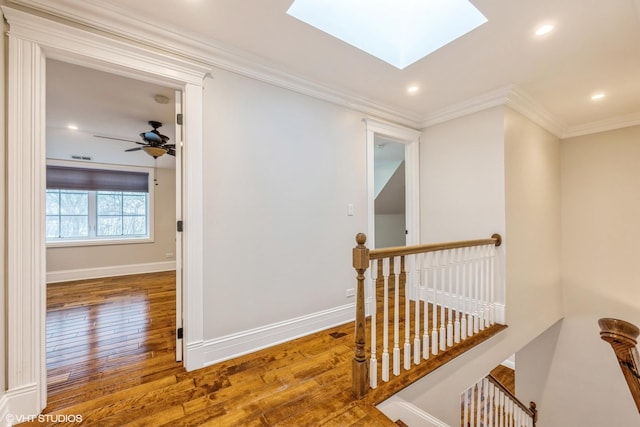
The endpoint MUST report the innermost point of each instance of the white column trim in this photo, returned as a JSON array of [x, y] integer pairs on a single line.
[[32, 39]]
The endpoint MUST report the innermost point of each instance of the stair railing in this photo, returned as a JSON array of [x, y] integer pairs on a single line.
[[488, 403], [440, 294], [623, 337]]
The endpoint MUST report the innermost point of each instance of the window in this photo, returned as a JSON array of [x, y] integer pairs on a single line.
[[86, 205]]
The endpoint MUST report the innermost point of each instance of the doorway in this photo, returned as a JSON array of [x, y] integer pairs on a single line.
[[33, 40], [111, 249], [396, 149], [390, 193]]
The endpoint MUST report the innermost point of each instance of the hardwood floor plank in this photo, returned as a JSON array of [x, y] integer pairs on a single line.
[[116, 367]]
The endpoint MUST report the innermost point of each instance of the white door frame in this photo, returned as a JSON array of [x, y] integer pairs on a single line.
[[33, 39], [178, 137], [411, 140]]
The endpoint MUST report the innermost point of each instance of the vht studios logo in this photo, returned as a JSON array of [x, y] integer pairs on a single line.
[[43, 418]]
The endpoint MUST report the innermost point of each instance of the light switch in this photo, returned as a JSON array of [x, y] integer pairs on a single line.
[[350, 209]]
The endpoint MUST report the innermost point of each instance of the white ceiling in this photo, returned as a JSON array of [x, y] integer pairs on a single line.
[[595, 47], [108, 105]]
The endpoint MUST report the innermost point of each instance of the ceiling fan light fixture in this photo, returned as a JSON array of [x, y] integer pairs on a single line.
[[161, 99], [154, 152]]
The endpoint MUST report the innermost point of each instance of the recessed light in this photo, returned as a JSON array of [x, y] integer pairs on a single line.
[[544, 29], [413, 89], [72, 127], [598, 96]]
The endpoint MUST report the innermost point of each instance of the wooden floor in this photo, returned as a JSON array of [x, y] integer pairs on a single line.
[[110, 358]]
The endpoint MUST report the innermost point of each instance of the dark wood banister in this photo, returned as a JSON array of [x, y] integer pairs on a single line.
[[362, 256], [623, 337], [532, 410]]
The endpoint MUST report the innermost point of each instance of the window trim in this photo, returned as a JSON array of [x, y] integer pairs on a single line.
[[98, 241]]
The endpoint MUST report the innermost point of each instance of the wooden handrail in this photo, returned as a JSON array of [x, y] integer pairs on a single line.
[[532, 410], [495, 239], [623, 337]]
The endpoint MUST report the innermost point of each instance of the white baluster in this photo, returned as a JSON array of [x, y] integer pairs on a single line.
[[478, 403], [417, 262], [500, 407], [481, 288], [465, 408], [476, 293], [373, 362], [486, 401], [472, 411], [425, 273], [456, 324], [385, 324], [434, 321], [396, 316], [407, 313], [450, 311], [491, 421], [492, 284], [465, 295], [443, 278], [487, 287]]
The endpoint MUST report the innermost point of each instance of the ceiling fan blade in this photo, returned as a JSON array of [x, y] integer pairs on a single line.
[[134, 149], [114, 138]]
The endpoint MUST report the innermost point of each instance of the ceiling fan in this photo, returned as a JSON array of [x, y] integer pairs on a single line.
[[155, 144]]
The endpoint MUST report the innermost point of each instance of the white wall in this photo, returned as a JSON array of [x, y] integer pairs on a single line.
[[87, 257], [601, 273], [493, 150], [280, 169], [462, 178]]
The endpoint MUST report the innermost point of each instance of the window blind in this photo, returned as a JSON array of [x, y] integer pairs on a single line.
[[68, 178]]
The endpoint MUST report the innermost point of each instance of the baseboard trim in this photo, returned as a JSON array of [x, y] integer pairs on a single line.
[[116, 270], [233, 345], [4, 411], [18, 405]]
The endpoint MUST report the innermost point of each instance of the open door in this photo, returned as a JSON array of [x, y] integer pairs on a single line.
[[390, 193], [405, 142], [179, 252]]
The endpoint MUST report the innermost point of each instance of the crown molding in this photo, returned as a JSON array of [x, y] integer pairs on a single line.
[[613, 123], [100, 15], [510, 96], [520, 101], [487, 100]]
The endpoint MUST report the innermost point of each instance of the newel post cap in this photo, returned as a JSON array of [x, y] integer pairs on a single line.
[[361, 253], [618, 330]]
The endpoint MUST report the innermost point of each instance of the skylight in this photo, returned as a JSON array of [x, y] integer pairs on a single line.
[[399, 32]]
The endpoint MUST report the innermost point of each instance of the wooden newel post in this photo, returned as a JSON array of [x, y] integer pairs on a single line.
[[360, 371], [534, 410], [623, 337]]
